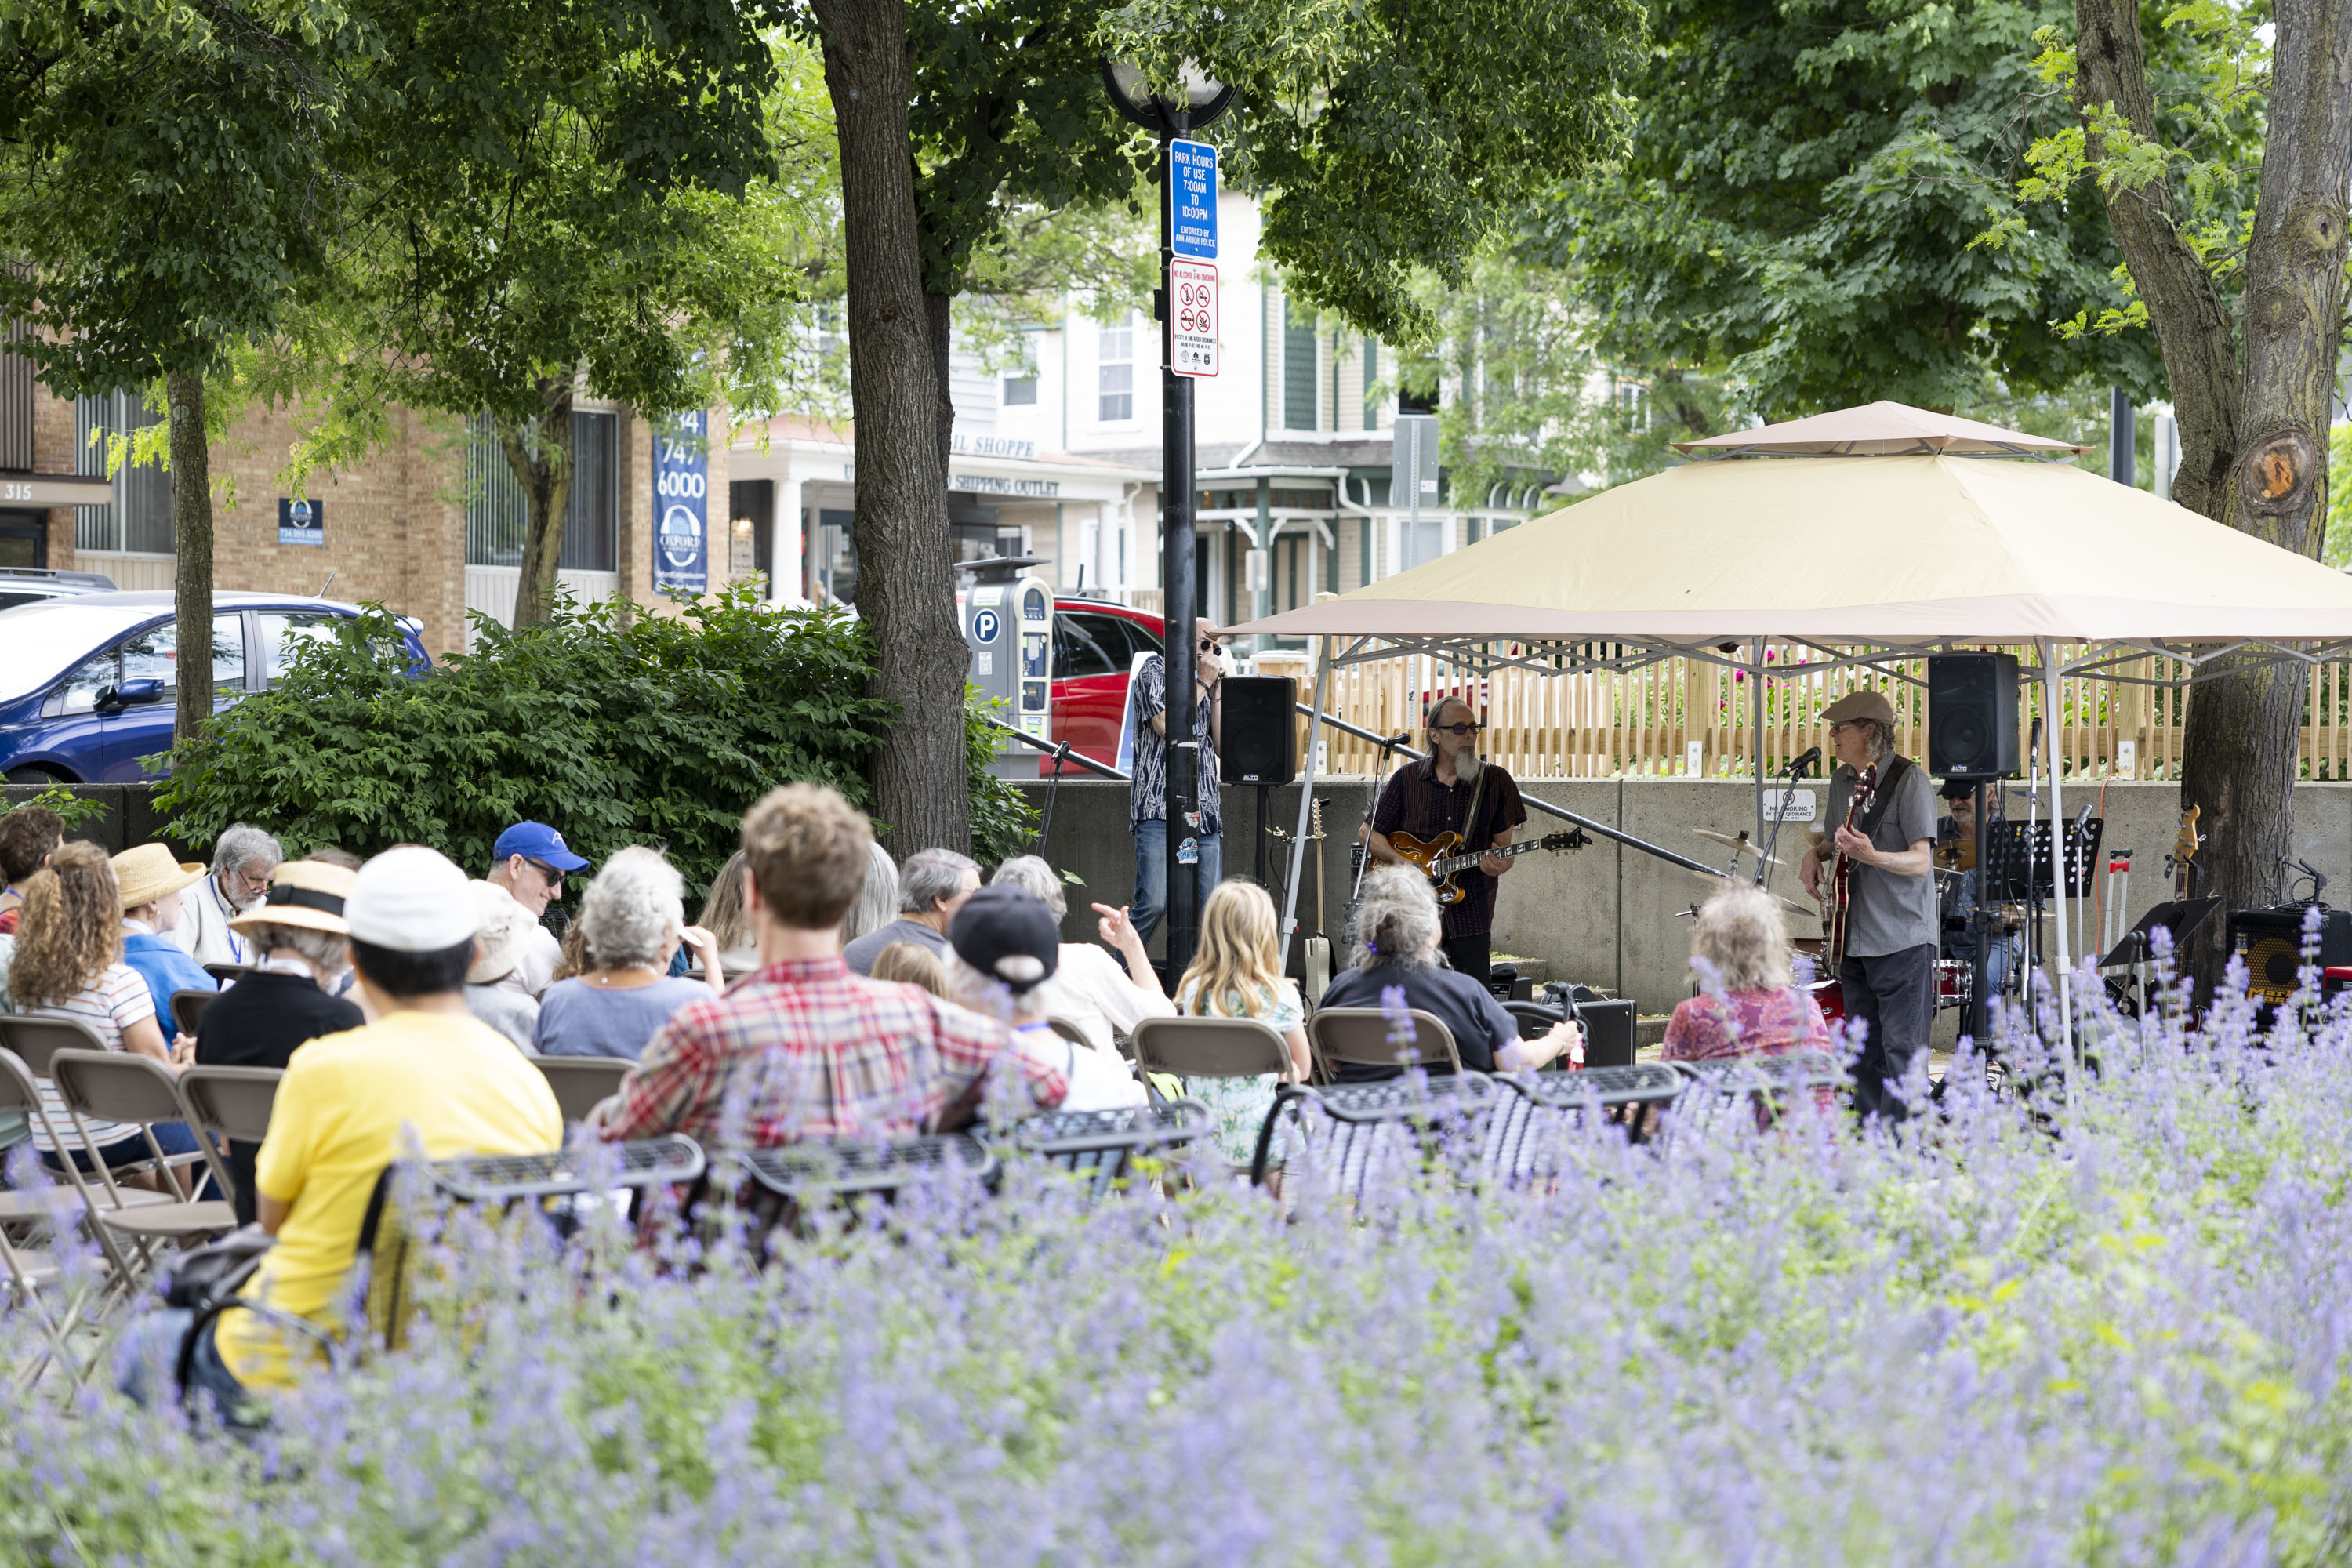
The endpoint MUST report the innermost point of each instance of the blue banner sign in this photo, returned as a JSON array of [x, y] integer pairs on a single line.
[[301, 522], [1192, 199], [681, 506]]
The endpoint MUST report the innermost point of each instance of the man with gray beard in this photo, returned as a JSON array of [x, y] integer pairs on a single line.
[[243, 858], [1453, 790]]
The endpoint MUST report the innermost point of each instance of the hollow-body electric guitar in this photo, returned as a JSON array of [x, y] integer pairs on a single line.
[[1443, 858], [1837, 887]]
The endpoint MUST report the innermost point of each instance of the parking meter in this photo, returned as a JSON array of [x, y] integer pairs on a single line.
[[1008, 624]]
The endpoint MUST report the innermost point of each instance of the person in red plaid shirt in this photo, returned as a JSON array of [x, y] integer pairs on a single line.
[[802, 1048]]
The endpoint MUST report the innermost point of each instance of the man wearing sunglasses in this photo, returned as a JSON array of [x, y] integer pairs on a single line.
[[1147, 794], [1454, 790], [530, 860]]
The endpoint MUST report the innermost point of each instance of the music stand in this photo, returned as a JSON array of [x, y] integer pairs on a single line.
[[2019, 863], [2137, 945]]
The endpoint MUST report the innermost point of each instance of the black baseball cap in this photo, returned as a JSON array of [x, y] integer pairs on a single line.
[[1959, 789], [1008, 934]]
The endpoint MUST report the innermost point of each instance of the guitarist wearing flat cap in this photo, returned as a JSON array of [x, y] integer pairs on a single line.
[[1456, 804], [1874, 876]]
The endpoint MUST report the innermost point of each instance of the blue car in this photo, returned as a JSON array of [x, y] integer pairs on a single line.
[[87, 682]]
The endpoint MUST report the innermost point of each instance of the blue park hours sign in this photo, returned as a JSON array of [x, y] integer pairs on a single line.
[[1192, 199]]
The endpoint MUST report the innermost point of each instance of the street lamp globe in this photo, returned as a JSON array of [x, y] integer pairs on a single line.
[[1204, 99]]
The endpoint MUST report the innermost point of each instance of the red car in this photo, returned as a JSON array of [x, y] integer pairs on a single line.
[[1095, 645]]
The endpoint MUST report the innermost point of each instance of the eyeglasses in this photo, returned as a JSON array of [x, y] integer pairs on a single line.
[[554, 877], [1844, 724], [1210, 644], [1458, 729]]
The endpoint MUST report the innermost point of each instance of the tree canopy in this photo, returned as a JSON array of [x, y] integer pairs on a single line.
[[1805, 183]]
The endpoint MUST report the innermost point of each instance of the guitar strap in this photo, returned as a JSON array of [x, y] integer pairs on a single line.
[[1882, 796]]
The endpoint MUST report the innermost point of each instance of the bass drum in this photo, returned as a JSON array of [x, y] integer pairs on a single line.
[[1830, 997]]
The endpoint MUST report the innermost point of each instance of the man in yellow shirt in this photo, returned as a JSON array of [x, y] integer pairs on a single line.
[[423, 1076]]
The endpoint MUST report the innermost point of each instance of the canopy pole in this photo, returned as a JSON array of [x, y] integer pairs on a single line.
[[1306, 801], [1756, 730], [2053, 726]]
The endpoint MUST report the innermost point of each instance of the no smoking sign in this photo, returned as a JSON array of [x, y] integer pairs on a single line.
[[1192, 342]]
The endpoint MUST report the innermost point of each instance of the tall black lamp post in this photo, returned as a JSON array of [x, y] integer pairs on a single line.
[[1169, 117]]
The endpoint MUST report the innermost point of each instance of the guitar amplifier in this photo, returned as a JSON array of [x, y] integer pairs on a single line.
[[2271, 942]]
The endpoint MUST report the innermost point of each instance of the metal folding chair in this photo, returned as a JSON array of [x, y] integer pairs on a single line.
[[582, 1083], [118, 1086], [1765, 1087], [1533, 1110], [1070, 1032], [226, 972], [188, 1009], [1359, 1037], [1104, 1145], [235, 1103], [1346, 1130]]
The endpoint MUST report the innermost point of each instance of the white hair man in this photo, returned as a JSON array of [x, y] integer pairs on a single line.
[[1454, 790], [1883, 929], [243, 858]]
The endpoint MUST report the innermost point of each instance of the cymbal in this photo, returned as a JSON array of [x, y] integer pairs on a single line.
[[1788, 906], [1739, 841]]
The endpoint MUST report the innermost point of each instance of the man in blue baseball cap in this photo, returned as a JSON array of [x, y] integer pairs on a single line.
[[530, 860]]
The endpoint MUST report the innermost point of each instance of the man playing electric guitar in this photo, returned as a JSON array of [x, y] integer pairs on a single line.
[[1452, 791], [1881, 809]]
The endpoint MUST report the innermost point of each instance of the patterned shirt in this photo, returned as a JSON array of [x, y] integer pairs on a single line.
[[1147, 798], [814, 1051], [1714, 1027]]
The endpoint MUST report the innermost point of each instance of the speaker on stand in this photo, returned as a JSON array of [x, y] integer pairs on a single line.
[[1972, 734], [1258, 742]]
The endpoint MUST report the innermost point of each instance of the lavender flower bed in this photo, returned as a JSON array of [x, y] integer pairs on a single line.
[[2118, 1337]]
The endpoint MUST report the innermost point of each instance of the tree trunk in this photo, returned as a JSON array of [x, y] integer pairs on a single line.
[[191, 549], [906, 577], [540, 457], [2254, 442]]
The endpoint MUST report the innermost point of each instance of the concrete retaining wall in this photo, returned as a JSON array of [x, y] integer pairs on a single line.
[[1606, 914]]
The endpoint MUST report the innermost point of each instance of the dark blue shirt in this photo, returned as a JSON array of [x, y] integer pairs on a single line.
[[1468, 1010]]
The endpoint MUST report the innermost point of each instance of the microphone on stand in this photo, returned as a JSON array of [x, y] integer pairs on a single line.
[[1805, 760], [1402, 738]]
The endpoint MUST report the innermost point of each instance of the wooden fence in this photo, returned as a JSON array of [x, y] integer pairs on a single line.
[[1605, 725]]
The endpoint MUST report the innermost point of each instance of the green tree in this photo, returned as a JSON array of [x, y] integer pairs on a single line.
[[1805, 183], [172, 185], [2236, 253], [1385, 138], [612, 197]]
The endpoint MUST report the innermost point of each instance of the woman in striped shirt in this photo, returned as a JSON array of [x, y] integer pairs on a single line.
[[68, 965]]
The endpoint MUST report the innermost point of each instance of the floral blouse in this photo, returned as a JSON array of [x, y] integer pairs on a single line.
[[1239, 1104]]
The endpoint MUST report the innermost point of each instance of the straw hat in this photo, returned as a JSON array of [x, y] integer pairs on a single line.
[[499, 942], [305, 893], [149, 872]]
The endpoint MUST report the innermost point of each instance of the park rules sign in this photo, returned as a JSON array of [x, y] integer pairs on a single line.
[[681, 505]]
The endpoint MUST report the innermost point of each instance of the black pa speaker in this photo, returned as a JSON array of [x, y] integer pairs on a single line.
[[2270, 941], [1260, 745], [1972, 715]]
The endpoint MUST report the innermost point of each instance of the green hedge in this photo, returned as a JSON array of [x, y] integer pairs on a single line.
[[616, 726]]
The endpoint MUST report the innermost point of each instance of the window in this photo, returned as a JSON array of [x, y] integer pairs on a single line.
[[1115, 372], [1020, 392], [283, 631], [1079, 647], [496, 513], [1298, 367], [82, 688], [1371, 379], [140, 518], [154, 654], [834, 562]]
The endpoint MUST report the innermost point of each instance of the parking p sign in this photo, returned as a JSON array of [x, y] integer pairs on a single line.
[[1192, 338]]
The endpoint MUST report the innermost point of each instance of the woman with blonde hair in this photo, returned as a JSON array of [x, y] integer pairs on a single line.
[[68, 965], [728, 920], [1748, 1005], [912, 963], [1237, 972]]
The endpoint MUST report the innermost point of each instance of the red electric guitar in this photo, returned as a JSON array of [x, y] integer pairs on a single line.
[[1837, 887]]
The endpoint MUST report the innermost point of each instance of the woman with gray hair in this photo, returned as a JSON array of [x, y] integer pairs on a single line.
[[1091, 989], [634, 918], [1748, 1005], [243, 858], [1396, 937]]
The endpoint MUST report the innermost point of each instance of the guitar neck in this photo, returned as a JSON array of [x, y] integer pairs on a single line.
[[1452, 863]]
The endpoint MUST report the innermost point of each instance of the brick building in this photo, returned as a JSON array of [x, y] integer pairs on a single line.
[[430, 525]]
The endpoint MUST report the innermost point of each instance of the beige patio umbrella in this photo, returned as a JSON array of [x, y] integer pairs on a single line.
[[1886, 529]]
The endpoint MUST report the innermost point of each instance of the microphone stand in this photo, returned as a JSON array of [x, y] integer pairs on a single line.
[[1388, 744], [1797, 771]]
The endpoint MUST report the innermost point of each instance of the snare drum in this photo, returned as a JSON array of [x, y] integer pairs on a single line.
[[1952, 982]]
